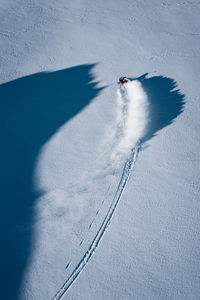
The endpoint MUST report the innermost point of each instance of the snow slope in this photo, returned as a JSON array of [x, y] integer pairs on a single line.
[[73, 147]]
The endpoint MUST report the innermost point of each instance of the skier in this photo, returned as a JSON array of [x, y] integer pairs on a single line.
[[123, 80]]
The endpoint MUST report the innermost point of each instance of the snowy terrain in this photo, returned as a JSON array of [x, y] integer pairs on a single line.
[[100, 184]]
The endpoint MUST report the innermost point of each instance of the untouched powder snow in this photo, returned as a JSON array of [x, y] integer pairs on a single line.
[[87, 168]]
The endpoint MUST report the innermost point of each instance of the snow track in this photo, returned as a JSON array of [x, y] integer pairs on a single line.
[[132, 119], [128, 166]]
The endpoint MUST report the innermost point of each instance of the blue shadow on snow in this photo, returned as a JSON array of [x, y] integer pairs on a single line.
[[166, 102], [32, 109]]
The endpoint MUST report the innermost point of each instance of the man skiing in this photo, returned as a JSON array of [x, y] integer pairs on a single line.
[[123, 80]]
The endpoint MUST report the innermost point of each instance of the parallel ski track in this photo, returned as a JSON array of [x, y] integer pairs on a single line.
[[128, 166]]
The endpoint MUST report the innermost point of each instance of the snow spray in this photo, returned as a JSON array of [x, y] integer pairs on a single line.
[[132, 118]]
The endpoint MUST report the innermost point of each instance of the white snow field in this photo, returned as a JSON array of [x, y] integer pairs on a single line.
[[100, 183]]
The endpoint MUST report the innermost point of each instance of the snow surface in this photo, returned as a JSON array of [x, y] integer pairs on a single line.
[[100, 196]]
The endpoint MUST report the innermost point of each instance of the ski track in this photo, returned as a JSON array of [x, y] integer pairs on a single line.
[[128, 166]]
